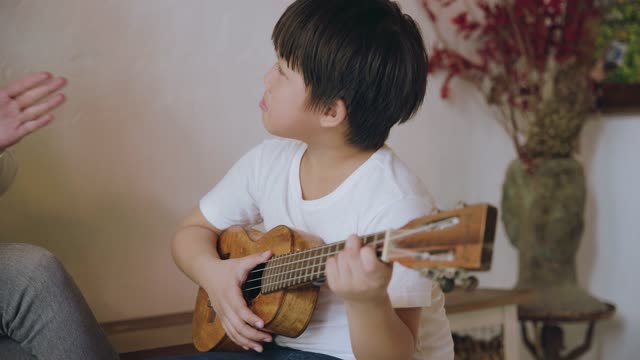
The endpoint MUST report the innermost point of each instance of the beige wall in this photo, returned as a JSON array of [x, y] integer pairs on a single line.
[[163, 99]]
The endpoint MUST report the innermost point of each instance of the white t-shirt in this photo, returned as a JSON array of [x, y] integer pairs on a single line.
[[264, 187]]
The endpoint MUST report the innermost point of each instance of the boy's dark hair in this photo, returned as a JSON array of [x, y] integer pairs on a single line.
[[365, 52]]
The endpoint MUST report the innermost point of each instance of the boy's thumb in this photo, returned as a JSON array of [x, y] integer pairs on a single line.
[[258, 258]]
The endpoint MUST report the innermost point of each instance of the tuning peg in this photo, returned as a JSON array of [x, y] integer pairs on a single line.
[[446, 284], [470, 283], [461, 204], [449, 278]]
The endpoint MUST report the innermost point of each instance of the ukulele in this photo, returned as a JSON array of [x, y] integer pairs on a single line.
[[283, 291]]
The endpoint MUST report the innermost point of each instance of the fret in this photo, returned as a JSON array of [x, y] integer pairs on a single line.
[[279, 272], [265, 278], [287, 271], [367, 239], [303, 260], [272, 274], [291, 274], [325, 254], [295, 269], [309, 267], [337, 247], [298, 269], [321, 260], [305, 270], [316, 259]]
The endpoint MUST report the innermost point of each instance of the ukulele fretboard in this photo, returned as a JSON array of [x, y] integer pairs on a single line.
[[306, 266]]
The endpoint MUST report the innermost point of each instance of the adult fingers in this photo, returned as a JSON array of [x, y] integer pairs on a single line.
[[33, 112], [37, 93], [18, 87], [31, 126]]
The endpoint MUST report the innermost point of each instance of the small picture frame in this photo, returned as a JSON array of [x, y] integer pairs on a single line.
[[618, 43]]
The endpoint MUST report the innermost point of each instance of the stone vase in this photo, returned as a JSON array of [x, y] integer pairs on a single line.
[[543, 214]]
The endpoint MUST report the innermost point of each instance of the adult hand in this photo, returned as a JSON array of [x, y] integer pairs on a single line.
[[22, 108]]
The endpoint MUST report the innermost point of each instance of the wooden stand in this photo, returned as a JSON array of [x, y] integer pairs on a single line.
[[549, 337], [483, 308]]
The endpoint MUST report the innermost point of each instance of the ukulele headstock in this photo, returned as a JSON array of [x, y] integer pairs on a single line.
[[461, 238]]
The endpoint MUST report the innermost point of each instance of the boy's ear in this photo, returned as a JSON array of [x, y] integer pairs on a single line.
[[334, 115]]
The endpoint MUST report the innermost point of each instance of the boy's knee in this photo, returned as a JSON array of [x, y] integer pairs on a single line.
[[30, 263]]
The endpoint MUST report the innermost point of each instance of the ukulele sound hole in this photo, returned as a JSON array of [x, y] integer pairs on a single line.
[[252, 287]]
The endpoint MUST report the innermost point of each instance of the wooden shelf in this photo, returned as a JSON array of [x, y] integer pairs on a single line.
[[459, 300]]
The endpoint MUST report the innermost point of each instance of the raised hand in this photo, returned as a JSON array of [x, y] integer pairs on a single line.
[[22, 108], [225, 294]]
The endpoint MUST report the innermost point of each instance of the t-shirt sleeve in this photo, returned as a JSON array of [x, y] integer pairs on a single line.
[[434, 334], [407, 287], [235, 199]]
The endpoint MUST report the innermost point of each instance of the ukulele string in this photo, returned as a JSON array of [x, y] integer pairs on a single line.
[[280, 282], [376, 241]]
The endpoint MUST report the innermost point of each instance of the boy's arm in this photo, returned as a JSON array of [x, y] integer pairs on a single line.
[[194, 251], [377, 331]]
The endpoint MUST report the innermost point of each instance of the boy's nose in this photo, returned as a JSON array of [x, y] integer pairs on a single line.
[[268, 76]]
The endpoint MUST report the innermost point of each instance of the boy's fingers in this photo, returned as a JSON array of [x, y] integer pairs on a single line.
[[252, 260], [330, 271], [233, 328], [246, 316], [237, 338], [253, 334], [249, 317], [344, 268], [247, 335], [369, 259], [16, 88], [353, 243]]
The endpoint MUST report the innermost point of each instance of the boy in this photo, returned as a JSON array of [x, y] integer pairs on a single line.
[[347, 71]]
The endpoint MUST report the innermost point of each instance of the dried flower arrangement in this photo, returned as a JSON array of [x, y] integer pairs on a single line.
[[531, 59]]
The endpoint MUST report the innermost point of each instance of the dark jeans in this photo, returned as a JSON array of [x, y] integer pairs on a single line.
[[42, 312], [271, 352]]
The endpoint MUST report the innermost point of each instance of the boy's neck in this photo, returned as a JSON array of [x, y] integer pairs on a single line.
[[324, 168]]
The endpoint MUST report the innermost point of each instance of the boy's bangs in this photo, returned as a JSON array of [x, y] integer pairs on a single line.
[[296, 30]]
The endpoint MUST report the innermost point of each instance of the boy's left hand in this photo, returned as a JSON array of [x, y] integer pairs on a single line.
[[355, 273]]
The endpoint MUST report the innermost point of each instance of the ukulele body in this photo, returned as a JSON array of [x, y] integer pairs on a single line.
[[285, 312]]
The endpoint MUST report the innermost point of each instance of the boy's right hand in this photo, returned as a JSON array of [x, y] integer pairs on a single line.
[[225, 294]]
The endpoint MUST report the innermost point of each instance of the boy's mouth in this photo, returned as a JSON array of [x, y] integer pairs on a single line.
[[263, 105]]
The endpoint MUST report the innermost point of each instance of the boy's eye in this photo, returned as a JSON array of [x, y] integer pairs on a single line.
[[280, 69]]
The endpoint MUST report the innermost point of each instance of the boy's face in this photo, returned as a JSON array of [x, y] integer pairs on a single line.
[[284, 111]]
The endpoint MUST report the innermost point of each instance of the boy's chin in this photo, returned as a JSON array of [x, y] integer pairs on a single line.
[[267, 125]]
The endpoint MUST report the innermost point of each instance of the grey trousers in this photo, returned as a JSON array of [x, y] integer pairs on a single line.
[[42, 312]]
